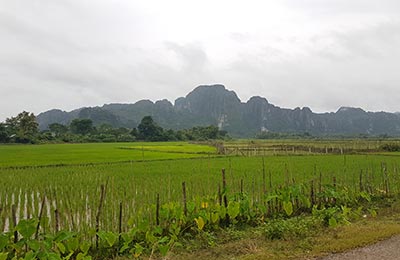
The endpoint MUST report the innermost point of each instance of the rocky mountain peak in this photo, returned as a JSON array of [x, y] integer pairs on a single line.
[[216, 105]]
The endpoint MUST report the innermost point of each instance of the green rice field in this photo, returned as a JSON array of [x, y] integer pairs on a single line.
[[117, 186], [70, 176], [54, 154]]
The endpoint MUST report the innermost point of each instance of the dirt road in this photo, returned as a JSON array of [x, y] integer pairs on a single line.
[[384, 250]]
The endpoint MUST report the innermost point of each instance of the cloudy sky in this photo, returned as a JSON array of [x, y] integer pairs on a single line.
[[318, 53]]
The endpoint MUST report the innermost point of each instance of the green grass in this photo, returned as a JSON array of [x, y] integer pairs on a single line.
[[53, 154], [250, 244]]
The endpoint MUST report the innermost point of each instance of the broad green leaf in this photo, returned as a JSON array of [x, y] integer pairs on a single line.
[[288, 207], [85, 246], [190, 207], [127, 238], [150, 238], [30, 256], [72, 244], [63, 235], [34, 245], [200, 223], [233, 209], [48, 242], [3, 241], [53, 256], [124, 247], [109, 237], [214, 217], [222, 212], [27, 227], [61, 247], [3, 256], [80, 256]]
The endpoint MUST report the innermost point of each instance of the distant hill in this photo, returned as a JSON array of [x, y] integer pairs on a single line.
[[215, 105]]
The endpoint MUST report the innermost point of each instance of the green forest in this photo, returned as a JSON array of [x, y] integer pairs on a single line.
[[23, 128]]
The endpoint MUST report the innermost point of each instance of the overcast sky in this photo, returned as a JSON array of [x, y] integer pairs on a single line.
[[318, 53]]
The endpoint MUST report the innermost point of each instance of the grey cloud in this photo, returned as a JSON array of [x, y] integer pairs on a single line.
[[192, 56], [331, 7], [98, 52], [376, 42], [37, 54], [24, 37], [172, 73], [353, 68], [240, 37]]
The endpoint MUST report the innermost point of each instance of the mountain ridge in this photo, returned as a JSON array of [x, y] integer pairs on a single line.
[[216, 105]]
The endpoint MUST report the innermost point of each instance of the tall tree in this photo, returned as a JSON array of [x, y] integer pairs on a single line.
[[58, 129], [3, 134], [81, 126], [148, 130], [23, 128]]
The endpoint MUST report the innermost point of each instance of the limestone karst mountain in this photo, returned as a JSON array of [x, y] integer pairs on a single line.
[[215, 105]]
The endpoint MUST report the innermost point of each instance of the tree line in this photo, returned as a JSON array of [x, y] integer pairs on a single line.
[[24, 128]]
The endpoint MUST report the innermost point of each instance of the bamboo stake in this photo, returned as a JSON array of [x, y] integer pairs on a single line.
[[120, 219], [40, 216], [263, 176], [184, 199], [57, 220], [312, 193], [14, 220], [224, 188], [158, 210], [102, 194]]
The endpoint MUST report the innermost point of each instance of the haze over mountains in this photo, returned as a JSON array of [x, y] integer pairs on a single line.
[[215, 105]]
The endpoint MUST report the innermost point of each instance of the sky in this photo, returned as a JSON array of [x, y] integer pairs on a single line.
[[322, 54]]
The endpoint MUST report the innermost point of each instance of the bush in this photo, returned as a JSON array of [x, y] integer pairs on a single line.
[[391, 147], [297, 227]]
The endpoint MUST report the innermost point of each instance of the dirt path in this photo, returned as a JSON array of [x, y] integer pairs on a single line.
[[384, 250]]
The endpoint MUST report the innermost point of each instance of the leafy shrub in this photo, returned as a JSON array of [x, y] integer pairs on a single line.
[[333, 216], [391, 147], [297, 227]]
